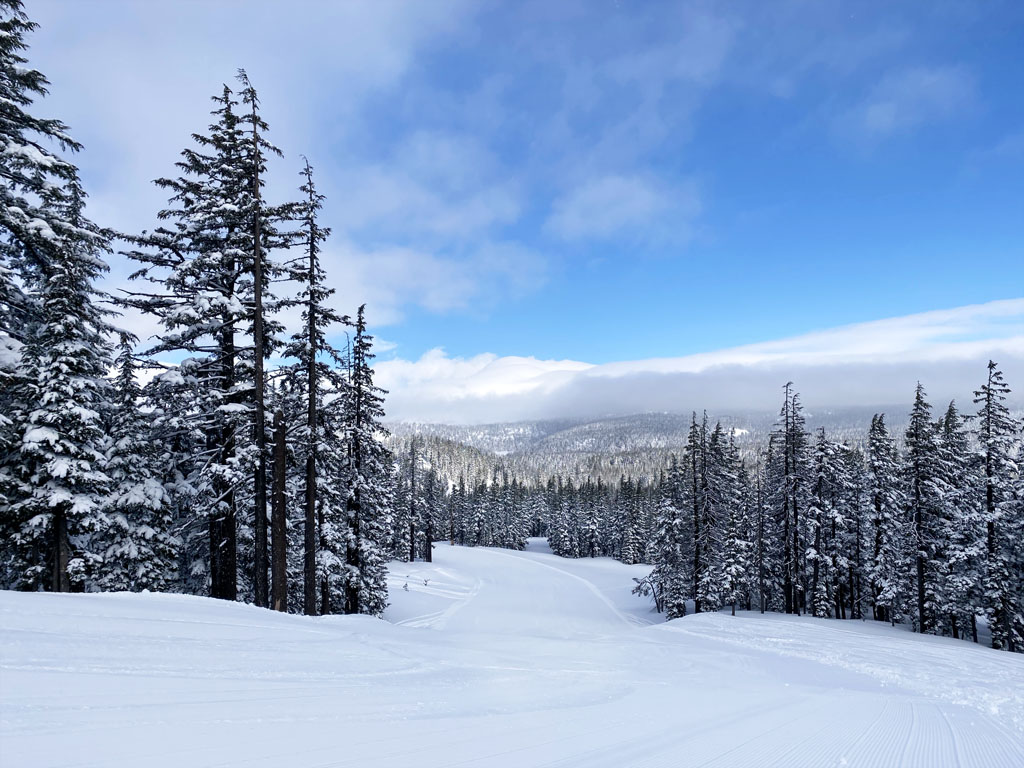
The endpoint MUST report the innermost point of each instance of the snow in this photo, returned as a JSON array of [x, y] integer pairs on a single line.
[[490, 658]]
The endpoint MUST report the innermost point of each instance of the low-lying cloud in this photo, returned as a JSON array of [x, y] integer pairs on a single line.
[[862, 364]]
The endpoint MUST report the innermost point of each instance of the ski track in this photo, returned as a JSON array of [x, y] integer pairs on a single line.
[[490, 658]]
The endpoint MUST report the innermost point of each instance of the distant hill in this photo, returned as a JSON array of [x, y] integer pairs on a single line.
[[640, 445]]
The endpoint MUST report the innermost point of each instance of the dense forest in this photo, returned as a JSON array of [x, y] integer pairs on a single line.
[[187, 463]]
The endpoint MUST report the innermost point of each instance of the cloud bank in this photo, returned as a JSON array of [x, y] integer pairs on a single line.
[[870, 363]]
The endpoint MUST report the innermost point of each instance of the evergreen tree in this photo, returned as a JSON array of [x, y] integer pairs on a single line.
[[997, 436], [789, 495], [317, 374], [965, 529], [925, 494], [53, 338], [887, 564], [369, 483], [138, 550], [201, 267], [737, 544], [669, 575]]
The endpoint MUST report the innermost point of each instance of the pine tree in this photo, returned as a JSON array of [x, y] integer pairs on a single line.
[[201, 266], [369, 483], [61, 398], [789, 495], [737, 544], [996, 433], [965, 528], [53, 338], [888, 561], [139, 550], [317, 374], [925, 495], [696, 489], [252, 123], [669, 574]]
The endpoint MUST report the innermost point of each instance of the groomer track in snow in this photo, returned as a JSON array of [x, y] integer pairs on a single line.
[[490, 658]]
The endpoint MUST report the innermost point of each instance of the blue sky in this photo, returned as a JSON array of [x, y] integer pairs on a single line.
[[592, 181]]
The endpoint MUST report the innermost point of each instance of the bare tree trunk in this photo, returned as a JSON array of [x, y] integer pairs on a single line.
[[279, 527]]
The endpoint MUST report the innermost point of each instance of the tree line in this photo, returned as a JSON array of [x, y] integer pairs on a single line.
[[219, 475], [932, 535]]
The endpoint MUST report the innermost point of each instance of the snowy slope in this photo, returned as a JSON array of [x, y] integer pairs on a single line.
[[494, 658]]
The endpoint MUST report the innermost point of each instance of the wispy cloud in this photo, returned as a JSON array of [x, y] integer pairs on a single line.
[[635, 206], [908, 98], [869, 363], [393, 279]]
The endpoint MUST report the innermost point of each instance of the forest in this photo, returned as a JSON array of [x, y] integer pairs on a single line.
[[185, 482]]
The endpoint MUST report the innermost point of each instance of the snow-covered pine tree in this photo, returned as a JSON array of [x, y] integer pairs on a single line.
[[263, 221], [926, 493], [965, 528], [849, 540], [737, 544], [54, 352], [201, 266], [998, 438], [695, 490], [633, 533], [369, 482], [316, 375], [719, 494], [196, 268], [827, 515], [138, 547], [62, 395], [669, 576], [887, 566], [789, 495]]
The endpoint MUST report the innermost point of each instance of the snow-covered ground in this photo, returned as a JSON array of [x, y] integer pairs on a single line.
[[491, 658]]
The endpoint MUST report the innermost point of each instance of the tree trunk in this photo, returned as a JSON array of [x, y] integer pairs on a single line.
[[260, 426], [60, 581], [223, 535], [310, 538], [279, 532]]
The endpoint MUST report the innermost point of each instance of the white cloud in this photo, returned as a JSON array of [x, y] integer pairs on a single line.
[[869, 363], [440, 187], [391, 279], [908, 98], [633, 206]]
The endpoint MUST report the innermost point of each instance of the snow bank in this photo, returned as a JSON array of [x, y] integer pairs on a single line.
[[488, 658]]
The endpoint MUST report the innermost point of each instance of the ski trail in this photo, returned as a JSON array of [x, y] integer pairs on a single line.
[[499, 659], [438, 619], [623, 617]]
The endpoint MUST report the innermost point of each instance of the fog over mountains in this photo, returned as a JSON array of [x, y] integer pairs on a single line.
[[860, 365], [638, 445]]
